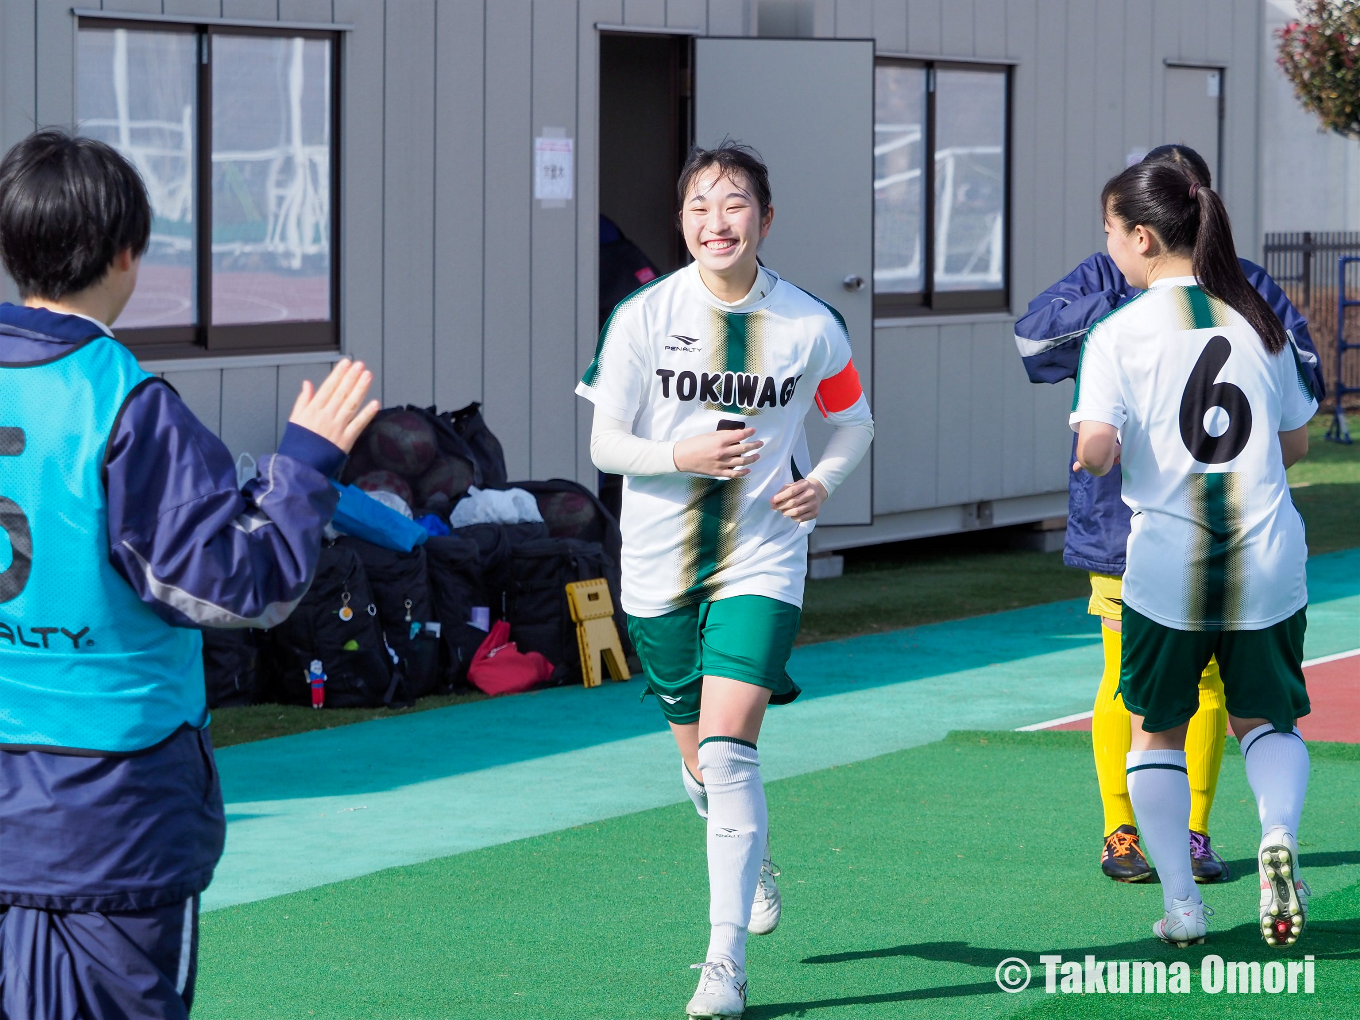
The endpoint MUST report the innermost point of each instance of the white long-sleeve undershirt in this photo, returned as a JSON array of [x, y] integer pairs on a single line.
[[614, 449]]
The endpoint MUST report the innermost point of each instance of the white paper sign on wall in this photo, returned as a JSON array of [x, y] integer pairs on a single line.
[[554, 169]]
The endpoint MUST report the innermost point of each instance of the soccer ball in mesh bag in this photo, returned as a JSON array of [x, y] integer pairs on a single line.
[[385, 481], [446, 481], [567, 514], [402, 442]]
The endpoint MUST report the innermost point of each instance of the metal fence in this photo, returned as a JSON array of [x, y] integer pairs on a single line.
[[1305, 265]]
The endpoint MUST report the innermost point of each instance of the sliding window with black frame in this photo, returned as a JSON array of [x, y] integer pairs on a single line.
[[941, 187], [234, 132]]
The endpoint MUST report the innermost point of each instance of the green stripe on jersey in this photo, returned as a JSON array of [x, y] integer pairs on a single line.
[[709, 536], [1199, 310], [593, 369], [1215, 571], [735, 351]]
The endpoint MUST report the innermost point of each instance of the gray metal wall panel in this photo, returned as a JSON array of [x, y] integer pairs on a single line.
[[954, 415], [728, 17], [1139, 70], [1021, 31], [1108, 91], [490, 297], [265, 9], [552, 365], [361, 183], [956, 28], [18, 80], [305, 10], [854, 19], [133, 6], [990, 37], [986, 386], [194, 8], [890, 25], [1079, 161], [55, 52], [509, 192], [906, 362], [201, 391], [250, 410], [923, 25], [609, 12], [460, 114], [645, 13], [687, 14], [408, 195]]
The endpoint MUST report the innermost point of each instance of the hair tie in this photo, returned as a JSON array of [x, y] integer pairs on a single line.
[[1194, 188]]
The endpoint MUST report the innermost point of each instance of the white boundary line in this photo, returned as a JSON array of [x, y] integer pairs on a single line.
[[1054, 722], [1087, 715], [1330, 658]]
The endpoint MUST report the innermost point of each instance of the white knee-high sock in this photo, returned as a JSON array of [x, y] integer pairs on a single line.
[[737, 823], [696, 790], [1159, 789], [1277, 771]]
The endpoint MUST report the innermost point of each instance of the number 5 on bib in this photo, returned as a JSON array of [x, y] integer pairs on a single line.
[[1202, 394], [14, 523]]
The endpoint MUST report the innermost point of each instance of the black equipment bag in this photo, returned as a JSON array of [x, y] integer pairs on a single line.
[[357, 664], [455, 567], [401, 591], [495, 543], [231, 667], [482, 443], [536, 600], [570, 510]]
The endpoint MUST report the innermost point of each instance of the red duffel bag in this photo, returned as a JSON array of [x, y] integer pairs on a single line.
[[499, 667]]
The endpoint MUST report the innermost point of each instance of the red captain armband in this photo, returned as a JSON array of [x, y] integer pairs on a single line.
[[839, 392]]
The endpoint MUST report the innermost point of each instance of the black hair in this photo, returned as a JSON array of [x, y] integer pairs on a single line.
[[731, 158], [68, 206], [1190, 161], [1189, 217]]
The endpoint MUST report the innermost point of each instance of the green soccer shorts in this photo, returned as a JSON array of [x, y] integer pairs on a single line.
[[746, 638], [1262, 671]]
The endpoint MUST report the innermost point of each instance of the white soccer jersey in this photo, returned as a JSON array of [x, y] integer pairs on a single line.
[[675, 362], [1216, 542]]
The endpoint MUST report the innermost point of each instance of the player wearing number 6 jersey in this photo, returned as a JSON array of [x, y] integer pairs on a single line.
[[1196, 389], [693, 375]]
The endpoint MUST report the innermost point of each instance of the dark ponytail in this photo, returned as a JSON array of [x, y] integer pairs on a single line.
[[1189, 218]]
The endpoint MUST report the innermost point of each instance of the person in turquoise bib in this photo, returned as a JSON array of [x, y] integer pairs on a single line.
[[123, 533]]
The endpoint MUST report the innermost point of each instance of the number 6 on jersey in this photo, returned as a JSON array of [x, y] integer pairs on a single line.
[[1201, 395]]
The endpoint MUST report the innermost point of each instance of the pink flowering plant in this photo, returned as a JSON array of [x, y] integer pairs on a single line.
[[1320, 54]]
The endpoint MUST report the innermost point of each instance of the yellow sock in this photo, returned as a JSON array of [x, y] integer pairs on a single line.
[[1110, 738], [1204, 746]]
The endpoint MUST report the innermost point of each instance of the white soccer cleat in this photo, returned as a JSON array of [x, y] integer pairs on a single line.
[[766, 905], [721, 992], [1184, 923], [1284, 895]]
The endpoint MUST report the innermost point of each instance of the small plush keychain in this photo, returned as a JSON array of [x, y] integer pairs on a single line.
[[346, 613], [316, 678]]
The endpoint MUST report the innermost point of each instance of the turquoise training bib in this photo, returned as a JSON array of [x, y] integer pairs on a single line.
[[84, 663]]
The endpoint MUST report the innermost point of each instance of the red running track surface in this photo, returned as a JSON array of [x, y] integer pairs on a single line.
[[1333, 689]]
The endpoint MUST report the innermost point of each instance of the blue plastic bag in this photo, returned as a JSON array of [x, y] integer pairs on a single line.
[[362, 516]]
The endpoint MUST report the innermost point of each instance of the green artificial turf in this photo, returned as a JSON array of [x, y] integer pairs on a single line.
[[906, 880]]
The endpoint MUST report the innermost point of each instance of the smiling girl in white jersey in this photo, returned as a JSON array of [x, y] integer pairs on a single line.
[[1195, 387], [694, 374]]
